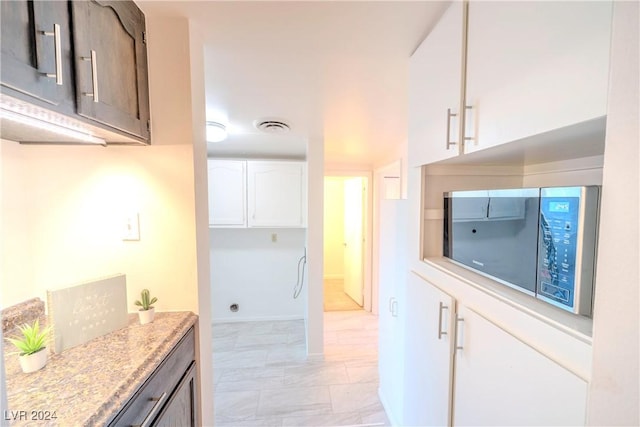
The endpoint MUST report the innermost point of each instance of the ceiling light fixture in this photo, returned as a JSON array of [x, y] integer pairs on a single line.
[[216, 132]]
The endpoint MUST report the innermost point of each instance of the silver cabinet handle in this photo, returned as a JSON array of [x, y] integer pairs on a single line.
[[394, 308], [458, 333], [449, 116], [156, 407], [94, 75], [57, 44], [440, 310], [466, 122]]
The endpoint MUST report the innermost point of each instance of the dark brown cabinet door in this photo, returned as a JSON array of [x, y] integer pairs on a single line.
[[111, 64], [181, 410], [36, 53]]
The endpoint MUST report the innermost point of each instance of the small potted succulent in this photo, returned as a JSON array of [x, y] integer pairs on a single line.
[[147, 311], [33, 352]]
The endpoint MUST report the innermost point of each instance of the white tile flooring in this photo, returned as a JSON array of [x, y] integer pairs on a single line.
[[263, 378]]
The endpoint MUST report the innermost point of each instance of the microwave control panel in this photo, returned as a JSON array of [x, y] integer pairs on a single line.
[[566, 247]]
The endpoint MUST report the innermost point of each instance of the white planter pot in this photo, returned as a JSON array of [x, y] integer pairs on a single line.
[[33, 362], [146, 316]]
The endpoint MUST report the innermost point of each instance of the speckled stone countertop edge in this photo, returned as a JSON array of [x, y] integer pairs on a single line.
[[118, 400], [24, 312]]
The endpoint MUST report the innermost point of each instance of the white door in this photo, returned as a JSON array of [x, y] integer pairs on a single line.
[[500, 380], [354, 191], [391, 287], [428, 353]]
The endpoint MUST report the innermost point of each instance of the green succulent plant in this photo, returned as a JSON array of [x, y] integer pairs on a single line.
[[146, 301], [33, 339]]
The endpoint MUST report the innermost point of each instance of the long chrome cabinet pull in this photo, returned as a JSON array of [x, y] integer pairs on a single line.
[[468, 114], [440, 331], [394, 311], [156, 407], [94, 75], [449, 116], [458, 333], [57, 44]]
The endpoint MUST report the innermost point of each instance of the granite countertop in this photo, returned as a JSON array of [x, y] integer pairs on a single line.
[[88, 384]]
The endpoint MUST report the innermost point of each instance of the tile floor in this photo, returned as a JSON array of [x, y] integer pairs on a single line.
[[263, 378], [335, 299]]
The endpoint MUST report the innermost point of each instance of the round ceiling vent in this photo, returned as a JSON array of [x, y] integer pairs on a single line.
[[272, 126]]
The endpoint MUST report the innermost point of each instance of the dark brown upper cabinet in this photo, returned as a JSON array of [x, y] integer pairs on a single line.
[[111, 64], [81, 62], [36, 53]]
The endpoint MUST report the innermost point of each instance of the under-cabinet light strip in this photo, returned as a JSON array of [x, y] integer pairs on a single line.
[[51, 127]]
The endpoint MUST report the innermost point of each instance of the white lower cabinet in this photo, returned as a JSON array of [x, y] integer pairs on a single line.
[[500, 380], [463, 369], [429, 338]]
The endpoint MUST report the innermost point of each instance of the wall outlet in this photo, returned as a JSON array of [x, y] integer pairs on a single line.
[[131, 227], [274, 237]]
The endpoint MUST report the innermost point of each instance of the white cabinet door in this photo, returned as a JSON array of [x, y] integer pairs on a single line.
[[429, 336], [227, 194], [391, 299], [276, 194], [500, 380], [533, 67], [435, 73]]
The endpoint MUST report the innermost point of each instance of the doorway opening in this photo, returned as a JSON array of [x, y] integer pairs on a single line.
[[347, 282]]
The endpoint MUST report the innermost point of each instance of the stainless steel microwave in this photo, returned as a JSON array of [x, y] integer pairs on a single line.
[[541, 241]]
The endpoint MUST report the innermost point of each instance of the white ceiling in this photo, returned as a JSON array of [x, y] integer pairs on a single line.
[[334, 70]]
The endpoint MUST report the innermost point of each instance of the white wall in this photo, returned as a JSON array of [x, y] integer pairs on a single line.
[[204, 342], [613, 392], [333, 227], [314, 314], [248, 269], [70, 230]]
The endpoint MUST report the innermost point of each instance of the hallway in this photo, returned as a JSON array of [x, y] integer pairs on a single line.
[[335, 299], [263, 378]]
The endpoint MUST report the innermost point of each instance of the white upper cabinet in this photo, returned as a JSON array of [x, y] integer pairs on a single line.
[[496, 72], [533, 67], [276, 194], [227, 193], [435, 74]]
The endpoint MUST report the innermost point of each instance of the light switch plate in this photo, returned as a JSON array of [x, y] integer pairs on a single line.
[[131, 227]]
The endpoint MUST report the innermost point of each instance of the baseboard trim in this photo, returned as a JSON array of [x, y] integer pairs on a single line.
[[387, 409]]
